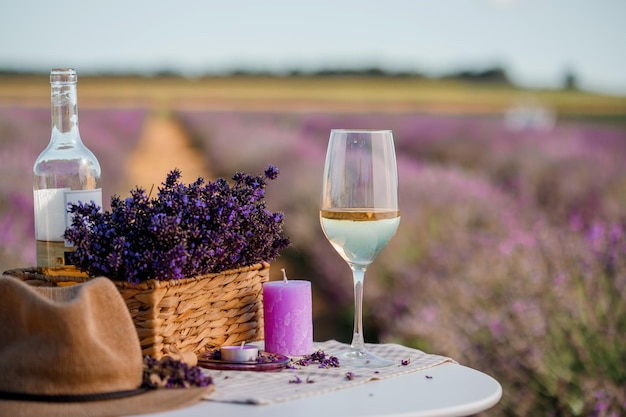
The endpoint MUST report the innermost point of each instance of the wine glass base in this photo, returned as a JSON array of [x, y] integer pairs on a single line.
[[362, 359]]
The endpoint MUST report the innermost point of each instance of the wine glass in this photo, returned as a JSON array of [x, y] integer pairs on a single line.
[[359, 213]]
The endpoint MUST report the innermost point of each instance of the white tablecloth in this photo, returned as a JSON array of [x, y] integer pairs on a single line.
[[273, 387]]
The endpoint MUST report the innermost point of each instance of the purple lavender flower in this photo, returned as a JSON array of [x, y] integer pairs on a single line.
[[186, 230], [171, 373], [320, 358]]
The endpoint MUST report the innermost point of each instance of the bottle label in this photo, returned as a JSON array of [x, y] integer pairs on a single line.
[[51, 215]]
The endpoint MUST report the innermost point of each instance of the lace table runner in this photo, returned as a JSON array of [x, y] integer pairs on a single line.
[[289, 384]]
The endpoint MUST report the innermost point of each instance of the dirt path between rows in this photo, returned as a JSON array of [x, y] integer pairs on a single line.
[[163, 146]]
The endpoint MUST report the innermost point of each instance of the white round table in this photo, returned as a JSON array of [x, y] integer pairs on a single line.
[[446, 390]]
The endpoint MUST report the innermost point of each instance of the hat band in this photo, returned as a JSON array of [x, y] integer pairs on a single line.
[[69, 398]]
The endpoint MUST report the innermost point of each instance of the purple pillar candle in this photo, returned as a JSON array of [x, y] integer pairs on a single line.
[[288, 317]]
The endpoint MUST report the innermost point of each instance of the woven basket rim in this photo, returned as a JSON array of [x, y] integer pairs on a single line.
[[155, 283], [150, 283]]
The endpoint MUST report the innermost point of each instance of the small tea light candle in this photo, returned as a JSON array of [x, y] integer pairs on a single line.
[[243, 353], [288, 317]]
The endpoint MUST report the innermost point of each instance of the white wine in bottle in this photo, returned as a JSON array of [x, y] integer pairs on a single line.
[[65, 172]]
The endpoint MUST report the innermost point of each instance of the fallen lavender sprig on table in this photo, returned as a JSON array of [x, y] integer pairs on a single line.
[[322, 359], [298, 380], [168, 372]]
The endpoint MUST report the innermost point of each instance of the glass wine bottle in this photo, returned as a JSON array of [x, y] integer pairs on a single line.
[[65, 172]]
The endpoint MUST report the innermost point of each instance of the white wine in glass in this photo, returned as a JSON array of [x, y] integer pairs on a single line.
[[359, 213]]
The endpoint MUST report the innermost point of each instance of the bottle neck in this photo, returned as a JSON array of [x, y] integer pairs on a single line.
[[64, 112]]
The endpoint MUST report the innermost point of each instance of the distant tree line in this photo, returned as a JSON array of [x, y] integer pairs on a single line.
[[491, 75], [494, 75]]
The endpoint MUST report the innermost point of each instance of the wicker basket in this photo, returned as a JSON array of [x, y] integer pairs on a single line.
[[186, 315]]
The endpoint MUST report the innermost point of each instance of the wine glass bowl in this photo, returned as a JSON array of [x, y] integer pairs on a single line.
[[359, 212]]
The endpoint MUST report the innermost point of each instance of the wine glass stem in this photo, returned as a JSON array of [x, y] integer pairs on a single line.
[[358, 343]]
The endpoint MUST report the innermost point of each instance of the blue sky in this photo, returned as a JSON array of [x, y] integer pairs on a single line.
[[536, 41]]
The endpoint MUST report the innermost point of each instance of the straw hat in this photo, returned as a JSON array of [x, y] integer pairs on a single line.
[[74, 351]]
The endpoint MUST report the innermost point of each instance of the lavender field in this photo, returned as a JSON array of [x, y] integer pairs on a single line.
[[510, 258]]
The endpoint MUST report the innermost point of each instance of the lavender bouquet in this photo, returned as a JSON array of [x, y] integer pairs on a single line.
[[186, 230]]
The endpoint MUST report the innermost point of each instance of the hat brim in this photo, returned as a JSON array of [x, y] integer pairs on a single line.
[[152, 401]]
